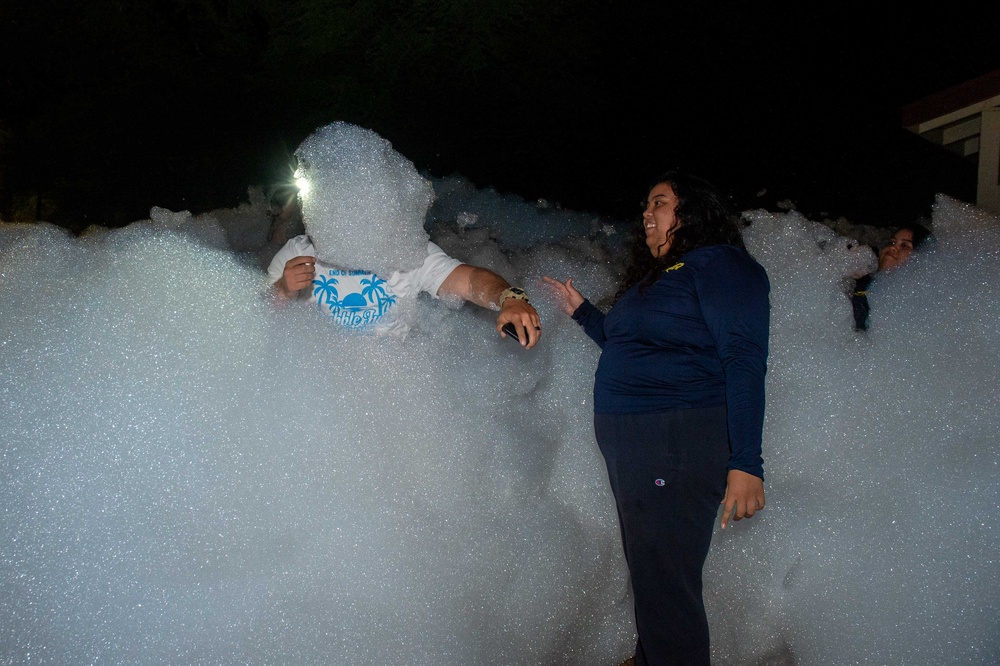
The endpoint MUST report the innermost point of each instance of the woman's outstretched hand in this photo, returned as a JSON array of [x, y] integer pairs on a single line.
[[568, 297]]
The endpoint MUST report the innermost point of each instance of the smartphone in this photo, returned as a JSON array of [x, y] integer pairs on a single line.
[[511, 332]]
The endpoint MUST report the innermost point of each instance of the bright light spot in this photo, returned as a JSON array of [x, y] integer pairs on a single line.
[[302, 184]]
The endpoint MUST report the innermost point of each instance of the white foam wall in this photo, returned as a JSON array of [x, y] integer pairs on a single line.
[[192, 473]]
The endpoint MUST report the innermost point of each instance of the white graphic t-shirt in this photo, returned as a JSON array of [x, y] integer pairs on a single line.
[[359, 299]]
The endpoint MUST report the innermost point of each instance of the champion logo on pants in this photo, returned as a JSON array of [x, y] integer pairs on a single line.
[[660, 482]]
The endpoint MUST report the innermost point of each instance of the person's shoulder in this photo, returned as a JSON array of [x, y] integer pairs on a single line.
[[709, 255], [434, 248], [296, 246], [728, 260], [299, 243]]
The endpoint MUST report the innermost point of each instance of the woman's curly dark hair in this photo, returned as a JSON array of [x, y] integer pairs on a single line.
[[704, 217]]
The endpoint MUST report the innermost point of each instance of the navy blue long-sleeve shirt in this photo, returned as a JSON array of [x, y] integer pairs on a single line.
[[696, 338]]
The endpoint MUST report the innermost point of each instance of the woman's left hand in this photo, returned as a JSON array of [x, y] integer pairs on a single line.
[[744, 496], [568, 296]]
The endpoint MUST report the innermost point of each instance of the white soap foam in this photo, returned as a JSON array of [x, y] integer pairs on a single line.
[[194, 472], [365, 205]]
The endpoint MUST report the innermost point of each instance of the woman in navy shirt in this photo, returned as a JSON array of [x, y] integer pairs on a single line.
[[679, 403]]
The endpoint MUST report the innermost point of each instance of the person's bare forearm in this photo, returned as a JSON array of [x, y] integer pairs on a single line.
[[477, 285], [486, 288]]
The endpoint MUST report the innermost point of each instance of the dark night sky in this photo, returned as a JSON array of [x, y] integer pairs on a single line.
[[108, 108]]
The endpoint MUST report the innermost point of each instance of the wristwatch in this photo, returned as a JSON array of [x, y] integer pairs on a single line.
[[513, 292]]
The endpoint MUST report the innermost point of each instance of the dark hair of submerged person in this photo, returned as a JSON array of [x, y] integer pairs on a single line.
[[704, 217], [920, 233]]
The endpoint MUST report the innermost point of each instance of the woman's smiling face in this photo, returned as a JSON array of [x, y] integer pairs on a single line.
[[659, 219]]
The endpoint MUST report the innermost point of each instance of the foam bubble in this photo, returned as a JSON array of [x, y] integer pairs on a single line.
[[366, 203]]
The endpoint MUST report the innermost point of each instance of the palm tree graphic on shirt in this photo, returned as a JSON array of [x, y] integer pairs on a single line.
[[375, 292], [325, 291]]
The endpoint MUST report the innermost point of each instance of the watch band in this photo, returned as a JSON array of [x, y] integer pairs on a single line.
[[513, 292]]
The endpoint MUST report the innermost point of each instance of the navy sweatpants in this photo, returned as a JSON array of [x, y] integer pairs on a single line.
[[668, 475]]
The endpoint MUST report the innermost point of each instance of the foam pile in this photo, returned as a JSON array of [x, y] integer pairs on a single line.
[[192, 472]]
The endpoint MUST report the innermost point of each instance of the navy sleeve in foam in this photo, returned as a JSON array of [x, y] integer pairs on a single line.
[[733, 292]]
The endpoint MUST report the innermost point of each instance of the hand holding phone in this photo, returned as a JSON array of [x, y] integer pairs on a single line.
[[511, 332]]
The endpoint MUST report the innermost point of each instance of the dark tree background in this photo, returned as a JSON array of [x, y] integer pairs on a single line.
[[109, 107]]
